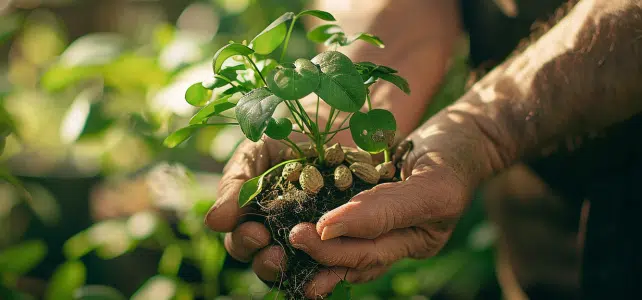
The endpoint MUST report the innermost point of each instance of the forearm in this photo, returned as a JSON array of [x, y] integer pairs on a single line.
[[583, 75], [420, 36]]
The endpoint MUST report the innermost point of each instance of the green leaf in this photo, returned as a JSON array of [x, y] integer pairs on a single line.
[[397, 80], [341, 291], [58, 77], [223, 77], [254, 110], [98, 292], [155, 286], [213, 108], [366, 37], [294, 83], [86, 116], [366, 67], [372, 131], [233, 90], [272, 36], [197, 94], [279, 129], [226, 52], [341, 85], [93, 49], [181, 135], [78, 245], [67, 278], [267, 65], [338, 38], [22, 258], [171, 260], [214, 82], [323, 33], [253, 187], [323, 15]]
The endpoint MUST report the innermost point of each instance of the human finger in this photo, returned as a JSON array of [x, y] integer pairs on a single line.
[[269, 263], [246, 239], [357, 253]]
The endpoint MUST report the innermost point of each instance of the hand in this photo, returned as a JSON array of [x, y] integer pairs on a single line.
[[410, 219], [246, 241]]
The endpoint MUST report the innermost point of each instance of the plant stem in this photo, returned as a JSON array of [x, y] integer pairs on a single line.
[[232, 82], [294, 146], [257, 70], [340, 125], [316, 137], [287, 40], [369, 102], [334, 118], [295, 114], [386, 154], [306, 118], [328, 125], [335, 131], [316, 113]]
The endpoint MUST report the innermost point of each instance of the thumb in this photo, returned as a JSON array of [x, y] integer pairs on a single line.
[[425, 196]]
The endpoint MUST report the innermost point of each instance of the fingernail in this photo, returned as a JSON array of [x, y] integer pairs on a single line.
[[271, 265], [301, 247], [251, 242], [332, 231]]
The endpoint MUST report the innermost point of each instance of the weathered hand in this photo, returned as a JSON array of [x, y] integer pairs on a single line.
[[246, 241], [410, 219]]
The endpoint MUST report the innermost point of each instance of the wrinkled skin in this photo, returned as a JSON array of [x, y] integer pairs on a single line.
[[512, 114]]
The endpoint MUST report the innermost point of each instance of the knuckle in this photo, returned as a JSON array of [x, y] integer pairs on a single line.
[[427, 244]]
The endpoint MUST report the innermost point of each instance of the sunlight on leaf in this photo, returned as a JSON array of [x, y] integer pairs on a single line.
[[76, 118], [93, 49], [226, 52], [67, 278], [253, 187], [20, 259], [142, 225], [77, 246], [197, 94], [323, 15], [158, 287], [272, 36], [294, 83], [111, 238], [368, 38], [213, 108], [341, 84], [254, 110], [323, 33], [171, 260], [369, 130]]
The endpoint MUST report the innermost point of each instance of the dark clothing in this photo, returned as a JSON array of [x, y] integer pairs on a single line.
[[607, 170]]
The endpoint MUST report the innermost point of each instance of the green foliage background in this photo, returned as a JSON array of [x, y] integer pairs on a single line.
[[93, 205]]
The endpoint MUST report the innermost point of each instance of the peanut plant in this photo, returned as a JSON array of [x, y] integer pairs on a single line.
[[265, 83]]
